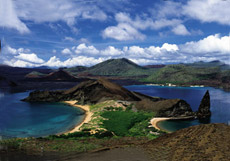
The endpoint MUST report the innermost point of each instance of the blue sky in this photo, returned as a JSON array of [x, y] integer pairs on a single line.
[[68, 33]]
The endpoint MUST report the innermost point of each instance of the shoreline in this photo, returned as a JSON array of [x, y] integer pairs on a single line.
[[87, 118], [154, 122]]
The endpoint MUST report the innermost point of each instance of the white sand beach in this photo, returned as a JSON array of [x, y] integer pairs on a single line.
[[88, 115]]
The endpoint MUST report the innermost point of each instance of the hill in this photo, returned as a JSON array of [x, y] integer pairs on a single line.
[[34, 74], [183, 74], [202, 142], [211, 64], [118, 67], [59, 75]]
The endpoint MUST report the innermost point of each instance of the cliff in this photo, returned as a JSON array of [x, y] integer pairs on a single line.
[[204, 108]]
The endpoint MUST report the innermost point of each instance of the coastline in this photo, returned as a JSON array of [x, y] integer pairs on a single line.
[[87, 118], [154, 122]]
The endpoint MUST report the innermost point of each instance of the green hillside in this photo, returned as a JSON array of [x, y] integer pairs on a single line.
[[76, 70], [183, 74], [114, 67], [211, 64]]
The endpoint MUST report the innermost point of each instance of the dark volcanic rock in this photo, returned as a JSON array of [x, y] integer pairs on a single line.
[[87, 92], [166, 107], [204, 108]]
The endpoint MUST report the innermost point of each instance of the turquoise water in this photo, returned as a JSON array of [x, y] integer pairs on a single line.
[[220, 102], [23, 119]]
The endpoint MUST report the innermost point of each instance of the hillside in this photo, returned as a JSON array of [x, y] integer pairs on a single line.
[[179, 74], [211, 64], [201, 142], [117, 67]]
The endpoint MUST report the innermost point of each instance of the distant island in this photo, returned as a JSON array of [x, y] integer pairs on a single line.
[[123, 72]]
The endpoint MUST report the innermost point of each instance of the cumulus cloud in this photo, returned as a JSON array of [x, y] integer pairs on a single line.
[[213, 44], [122, 32], [84, 49], [9, 17], [33, 58], [129, 29], [19, 63], [180, 30], [66, 51], [213, 47], [80, 60], [208, 10]]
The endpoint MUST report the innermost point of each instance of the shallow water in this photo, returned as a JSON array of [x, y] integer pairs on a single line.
[[220, 102], [23, 119]]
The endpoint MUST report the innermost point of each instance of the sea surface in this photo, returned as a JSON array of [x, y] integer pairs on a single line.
[[220, 102], [23, 119]]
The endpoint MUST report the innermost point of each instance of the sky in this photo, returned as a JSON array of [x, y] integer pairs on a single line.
[[67, 33]]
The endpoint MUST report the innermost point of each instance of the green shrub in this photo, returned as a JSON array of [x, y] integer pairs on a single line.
[[120, 122]]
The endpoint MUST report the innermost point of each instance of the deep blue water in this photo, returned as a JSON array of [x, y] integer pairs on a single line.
[[220, 102], [23, 119]]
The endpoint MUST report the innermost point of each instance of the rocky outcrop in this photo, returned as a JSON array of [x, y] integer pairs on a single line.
[[166, 107], [204, 108], [87, 92], [174, 108]]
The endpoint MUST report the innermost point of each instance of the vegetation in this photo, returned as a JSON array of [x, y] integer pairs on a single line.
[[179, 74], [121, 122], [115, 67]]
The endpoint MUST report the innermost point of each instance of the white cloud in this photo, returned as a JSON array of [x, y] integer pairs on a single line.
[[80, 60], [208, 10], [213, 44], [19, 63], [71, 39], [129, 29], [12, 12], [9, 17], [122, 32], [66, 51], [84, 49], [111, 51], [180, 30], [213, 47], [33, 58]]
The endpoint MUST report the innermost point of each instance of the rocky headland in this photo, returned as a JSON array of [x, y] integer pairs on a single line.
[[95, 91]]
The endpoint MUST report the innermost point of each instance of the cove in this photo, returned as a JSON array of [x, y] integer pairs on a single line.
[[23, 119], [220, 103]]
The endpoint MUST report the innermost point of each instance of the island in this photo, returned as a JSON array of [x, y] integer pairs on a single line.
[[106, 94]]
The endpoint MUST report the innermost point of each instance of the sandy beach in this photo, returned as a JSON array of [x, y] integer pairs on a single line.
[[88, 115], [156, 120]]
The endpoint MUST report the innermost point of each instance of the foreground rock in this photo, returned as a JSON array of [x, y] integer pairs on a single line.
[[198, 143], [204, 108]]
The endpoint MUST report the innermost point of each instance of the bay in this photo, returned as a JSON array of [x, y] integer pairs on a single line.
[[23, 119]]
